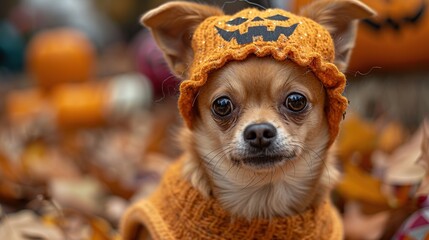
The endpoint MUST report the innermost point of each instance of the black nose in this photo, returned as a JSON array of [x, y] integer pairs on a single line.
[[260, 135]]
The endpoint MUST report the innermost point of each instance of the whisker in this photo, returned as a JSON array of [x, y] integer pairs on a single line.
[[323, 161], [294, 168], [314, 155], [327, 170], [214, 150], [228, 170], [221, 150], [218, 158], [310, 165], [253, 179], [283, 169], [163, 90], [272, 174], [222, 156], [262, 179], [238, 170]]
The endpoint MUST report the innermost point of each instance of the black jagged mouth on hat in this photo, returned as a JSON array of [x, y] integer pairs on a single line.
[[257, 31]]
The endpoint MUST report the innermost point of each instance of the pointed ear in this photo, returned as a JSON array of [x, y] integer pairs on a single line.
[[339, 17], [172, 26]]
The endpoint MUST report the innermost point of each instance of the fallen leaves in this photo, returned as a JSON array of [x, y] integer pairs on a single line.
[[384, 171], [26, 225], [76, 184]]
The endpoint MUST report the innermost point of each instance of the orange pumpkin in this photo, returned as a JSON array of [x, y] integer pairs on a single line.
[[395, 39], [24, 105], [59, 56], [79, 105], [72, 105]]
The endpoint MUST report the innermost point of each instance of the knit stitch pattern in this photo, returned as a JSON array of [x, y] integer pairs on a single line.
[[178, 211], [220, 39]]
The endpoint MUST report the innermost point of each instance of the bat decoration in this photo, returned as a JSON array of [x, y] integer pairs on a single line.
[[256, 31], [396, 24]]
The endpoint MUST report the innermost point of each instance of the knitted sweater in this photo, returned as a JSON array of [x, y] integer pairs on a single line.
[[178, 211]]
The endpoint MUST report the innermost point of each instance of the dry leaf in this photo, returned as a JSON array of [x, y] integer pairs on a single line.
[[356, 135], [85, 194], [114, 208], [360, 186], [26, 225], [77, 225], [360, 226], [409, 152], [403, 175], [391, 137]]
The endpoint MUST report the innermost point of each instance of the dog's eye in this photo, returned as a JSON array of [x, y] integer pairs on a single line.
[[296, 102], [222, 106]]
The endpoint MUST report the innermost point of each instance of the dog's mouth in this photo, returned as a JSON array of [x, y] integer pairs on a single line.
[[263, 161]]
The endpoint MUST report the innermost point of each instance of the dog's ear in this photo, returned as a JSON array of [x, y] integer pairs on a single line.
[[339, 17], [172, 26]]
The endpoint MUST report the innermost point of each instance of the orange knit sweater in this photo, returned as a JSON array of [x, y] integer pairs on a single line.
[[178, 211]]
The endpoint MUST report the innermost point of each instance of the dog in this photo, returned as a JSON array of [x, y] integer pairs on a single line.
[[261, 99]]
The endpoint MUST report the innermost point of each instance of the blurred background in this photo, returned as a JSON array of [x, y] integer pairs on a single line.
[[88, 118]]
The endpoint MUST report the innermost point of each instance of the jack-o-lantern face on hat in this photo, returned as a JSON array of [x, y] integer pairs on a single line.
[[275, 29], [257, 31]]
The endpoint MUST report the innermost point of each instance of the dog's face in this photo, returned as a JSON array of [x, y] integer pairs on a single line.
[[261, 114], [262, 135], [259, 133]]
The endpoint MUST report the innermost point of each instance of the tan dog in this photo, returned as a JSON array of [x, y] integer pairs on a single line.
[[262, 107]]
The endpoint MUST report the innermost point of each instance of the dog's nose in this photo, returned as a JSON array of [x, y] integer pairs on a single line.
[[260, 135]]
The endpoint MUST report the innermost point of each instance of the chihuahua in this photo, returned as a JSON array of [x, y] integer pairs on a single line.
[[261, 99]]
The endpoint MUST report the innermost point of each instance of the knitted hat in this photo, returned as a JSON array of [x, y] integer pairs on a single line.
[[272, 32]]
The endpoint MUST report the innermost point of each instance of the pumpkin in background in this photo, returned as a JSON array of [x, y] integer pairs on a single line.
[[96, 103], [25, 104], [70, 105], [60, 56], [79, 105], [395, 39]]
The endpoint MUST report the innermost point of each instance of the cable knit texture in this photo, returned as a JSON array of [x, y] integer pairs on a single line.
[[272, 32], [178, 211]]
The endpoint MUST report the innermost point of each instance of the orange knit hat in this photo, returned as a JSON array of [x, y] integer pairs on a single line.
[[272, 32]]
